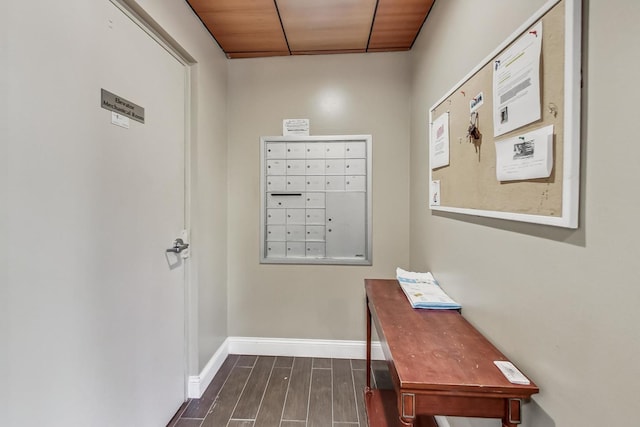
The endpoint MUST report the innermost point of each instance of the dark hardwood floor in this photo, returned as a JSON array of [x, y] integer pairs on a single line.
[[267, 391]]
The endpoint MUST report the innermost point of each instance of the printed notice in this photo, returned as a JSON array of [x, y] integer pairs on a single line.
[[527, 156], [516, 83], [295, 127], [440, 141]]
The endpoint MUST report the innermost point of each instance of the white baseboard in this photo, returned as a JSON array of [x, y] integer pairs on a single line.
[[199, 383], [442, 421], [335, 349]]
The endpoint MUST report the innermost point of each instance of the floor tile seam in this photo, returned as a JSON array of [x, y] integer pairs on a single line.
[[244, 386], [286, 394], [178, 416], [355, 395], [266, 386], [339, 385], [332, 406], [306, 421], [215, 399]]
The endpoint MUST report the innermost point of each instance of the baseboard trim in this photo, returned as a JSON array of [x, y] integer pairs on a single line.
[[197, 384], [336, 349]]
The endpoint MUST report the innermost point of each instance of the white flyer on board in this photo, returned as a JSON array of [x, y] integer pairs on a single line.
[[516, 83], [440, 141], [528, 156]]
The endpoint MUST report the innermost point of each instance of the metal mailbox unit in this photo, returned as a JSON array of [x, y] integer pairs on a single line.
[[315, 199]]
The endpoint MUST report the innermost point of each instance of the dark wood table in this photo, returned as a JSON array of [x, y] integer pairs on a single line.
[[439, 364]]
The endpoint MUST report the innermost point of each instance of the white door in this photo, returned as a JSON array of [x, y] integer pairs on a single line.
[[97, 304], [144, 195]]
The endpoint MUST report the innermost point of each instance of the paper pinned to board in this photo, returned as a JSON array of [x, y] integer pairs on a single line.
[[516, 83], [423, 291], [439, 142], [528, 156]]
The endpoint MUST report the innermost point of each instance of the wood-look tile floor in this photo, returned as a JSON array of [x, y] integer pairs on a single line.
[[267, 391]]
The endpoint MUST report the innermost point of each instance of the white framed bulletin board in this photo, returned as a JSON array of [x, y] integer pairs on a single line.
[[505, 141]]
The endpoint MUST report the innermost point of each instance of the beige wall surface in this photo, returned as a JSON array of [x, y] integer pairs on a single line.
[[562, 304], [340, 94], [208, 296]]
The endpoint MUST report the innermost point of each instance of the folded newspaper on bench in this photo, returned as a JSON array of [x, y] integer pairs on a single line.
[[423, 291]]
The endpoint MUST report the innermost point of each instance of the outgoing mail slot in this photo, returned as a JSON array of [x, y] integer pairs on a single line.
[[285, 200]]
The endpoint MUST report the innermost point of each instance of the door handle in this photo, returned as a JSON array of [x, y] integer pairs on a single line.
[[178, 246]]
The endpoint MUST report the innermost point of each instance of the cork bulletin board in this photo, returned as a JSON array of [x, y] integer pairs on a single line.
[[467, 181]]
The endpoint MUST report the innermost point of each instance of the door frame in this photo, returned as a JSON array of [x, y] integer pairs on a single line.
[[151, 27]]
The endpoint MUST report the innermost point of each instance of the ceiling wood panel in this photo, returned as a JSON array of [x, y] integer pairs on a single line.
[[397, 23], [328, 25], [242, 25], [255, 28]]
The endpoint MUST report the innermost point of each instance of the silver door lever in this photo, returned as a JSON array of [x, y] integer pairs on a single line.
[[178, 246]]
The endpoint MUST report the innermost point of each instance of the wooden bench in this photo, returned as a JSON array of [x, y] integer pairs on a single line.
[[439, 365]]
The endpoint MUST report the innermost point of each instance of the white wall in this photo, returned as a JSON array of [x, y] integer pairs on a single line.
[[340, 94], [51, 343], [568, 315]]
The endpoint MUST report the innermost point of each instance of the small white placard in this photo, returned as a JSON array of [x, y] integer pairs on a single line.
[[528, 156], [119, 120], [476, 102], [295, 127], [434, 197]]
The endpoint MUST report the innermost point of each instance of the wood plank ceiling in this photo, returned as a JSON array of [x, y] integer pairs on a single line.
[[258, 28]]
